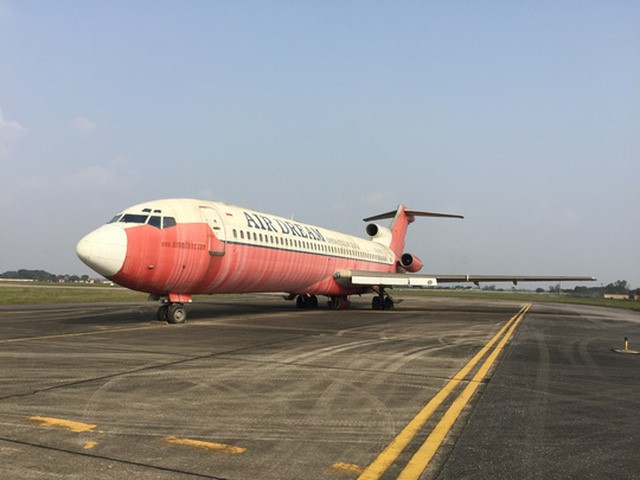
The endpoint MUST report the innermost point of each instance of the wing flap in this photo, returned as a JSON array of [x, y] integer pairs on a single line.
[[350, 278], [511, 278], [361, 278]]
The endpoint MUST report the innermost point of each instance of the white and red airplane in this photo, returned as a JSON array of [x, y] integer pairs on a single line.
[[175, 248]]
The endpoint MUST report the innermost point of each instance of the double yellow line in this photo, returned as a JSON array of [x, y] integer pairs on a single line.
[[425, 453]]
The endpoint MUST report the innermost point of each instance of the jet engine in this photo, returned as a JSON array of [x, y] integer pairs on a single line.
[[410, 263], [379, 234]]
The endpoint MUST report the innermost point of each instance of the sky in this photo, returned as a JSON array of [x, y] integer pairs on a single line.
[[522, 116]]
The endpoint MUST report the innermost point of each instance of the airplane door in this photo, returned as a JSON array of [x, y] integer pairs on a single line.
[[217, 235]]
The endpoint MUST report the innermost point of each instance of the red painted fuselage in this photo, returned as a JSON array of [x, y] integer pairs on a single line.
[[183, 246]]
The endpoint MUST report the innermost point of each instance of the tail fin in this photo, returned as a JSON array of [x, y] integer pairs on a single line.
[[402, 217]]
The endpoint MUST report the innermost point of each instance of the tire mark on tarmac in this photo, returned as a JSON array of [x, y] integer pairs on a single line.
[[535, 431], [141, 369], [146, 368]]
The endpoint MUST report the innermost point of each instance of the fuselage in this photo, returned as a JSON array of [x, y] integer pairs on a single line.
[[186, 246]]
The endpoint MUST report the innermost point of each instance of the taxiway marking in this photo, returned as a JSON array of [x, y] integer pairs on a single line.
[[212, 446], [348, 469], [71, 425], [389, 455], [425, 453]]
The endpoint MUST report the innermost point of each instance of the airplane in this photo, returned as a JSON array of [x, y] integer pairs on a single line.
[[175, 248]]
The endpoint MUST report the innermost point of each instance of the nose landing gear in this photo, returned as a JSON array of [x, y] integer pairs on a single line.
[[172, 313]]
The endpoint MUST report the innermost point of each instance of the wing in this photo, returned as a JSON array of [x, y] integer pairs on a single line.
[[363, 278]]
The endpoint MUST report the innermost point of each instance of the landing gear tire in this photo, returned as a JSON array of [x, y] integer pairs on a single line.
[[176, 313], [377, 303], [313, 302], [163, 313], [388, 304], [307, 301], [382, 302], [301, 301], [339, 303]]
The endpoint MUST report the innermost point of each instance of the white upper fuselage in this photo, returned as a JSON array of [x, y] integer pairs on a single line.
[[194, 246]]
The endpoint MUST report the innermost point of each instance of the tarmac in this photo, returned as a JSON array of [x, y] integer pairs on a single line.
[[252, 388]]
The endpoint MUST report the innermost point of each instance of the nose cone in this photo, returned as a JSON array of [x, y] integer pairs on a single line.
[[104, 249]]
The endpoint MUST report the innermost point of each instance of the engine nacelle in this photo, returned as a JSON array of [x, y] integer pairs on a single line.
[[410, 263], [379, 234]]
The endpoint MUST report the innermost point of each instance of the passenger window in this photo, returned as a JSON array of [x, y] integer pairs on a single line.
[[241, 234], [155, 221], [169, 222]]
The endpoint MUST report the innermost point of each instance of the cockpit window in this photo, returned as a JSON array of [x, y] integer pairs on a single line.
[[155, 221], [133, 218]]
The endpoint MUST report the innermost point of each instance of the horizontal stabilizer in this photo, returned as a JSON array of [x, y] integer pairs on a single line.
[[414, 213]]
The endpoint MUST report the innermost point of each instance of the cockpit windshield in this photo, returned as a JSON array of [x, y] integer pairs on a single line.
[[134, 218], [156, 221]]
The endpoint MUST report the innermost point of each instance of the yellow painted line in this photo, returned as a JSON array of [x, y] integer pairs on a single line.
[[63, 424], [389, 455], [90, 445], [345, 469], [425, 453], [217, 447], [77, 334]]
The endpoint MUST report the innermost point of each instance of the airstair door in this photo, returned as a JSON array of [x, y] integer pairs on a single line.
[[217, 235]]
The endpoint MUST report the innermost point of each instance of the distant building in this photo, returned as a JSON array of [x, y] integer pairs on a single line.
[[621, 296]]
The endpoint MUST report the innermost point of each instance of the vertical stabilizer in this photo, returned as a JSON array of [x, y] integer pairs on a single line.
[[402, 217]]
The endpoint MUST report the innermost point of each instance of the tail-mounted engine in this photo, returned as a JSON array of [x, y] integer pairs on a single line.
[[410, 263], [379, 234]]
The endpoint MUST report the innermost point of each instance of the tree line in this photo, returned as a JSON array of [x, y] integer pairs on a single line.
[[42, 276], [619, 286]]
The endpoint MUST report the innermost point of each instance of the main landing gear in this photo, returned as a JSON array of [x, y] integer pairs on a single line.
[[307, 301], [382, 301], [172, 313], [311, 302], [338, 302]]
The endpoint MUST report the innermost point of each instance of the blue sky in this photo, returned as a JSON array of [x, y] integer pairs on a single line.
[[523, 116]]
